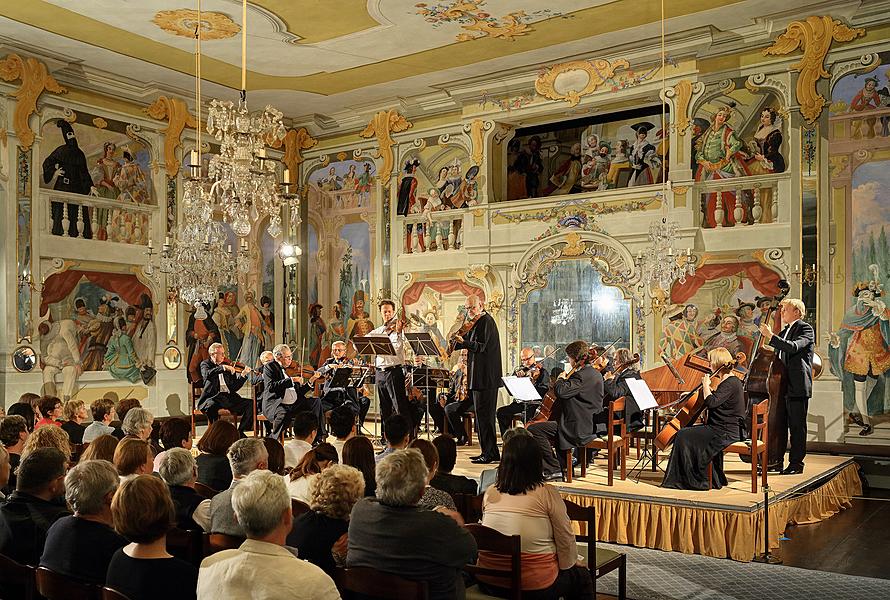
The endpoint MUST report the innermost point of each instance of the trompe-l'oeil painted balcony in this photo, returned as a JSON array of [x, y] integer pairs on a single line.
[[95, 218], [437, 231]]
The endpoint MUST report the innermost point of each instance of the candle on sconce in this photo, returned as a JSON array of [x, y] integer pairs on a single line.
[[193, 157], [167, 241], [287, 176], [229, 248], [797, 268], [149, 244], [261, 153]]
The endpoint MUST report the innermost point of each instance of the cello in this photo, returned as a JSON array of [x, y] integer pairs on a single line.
[[767, 379]]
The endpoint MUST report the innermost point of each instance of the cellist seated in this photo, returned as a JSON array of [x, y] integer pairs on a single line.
[[579, 397], [696, 446]]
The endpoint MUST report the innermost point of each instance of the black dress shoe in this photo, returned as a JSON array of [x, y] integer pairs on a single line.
[[867, 429], [555, 476], [484, 460], [477, 457], [793, 470]]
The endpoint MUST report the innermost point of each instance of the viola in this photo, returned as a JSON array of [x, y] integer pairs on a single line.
[[462, 332]]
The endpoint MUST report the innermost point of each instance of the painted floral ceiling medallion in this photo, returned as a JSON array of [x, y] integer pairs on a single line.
[[469, 14], [181, 22]]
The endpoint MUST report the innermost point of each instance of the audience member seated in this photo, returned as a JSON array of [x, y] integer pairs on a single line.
[[213, 464], [305, 430], [103, 415], [101, 448], [276, 455], [34, 505], [359, 453], [521, 503], [431, 496], [24, 410], [143, 569], [48, 437], [175, 432], [245, 456], [391, 533], [126, 405], [262, 567], [137, 424], [13, 435], [179, 471], [81, 546], [133, 457], [396, 432], [320, 534], [444, 480], [51, 409], [313, 463], [342, 426], [4, 472], [31, 399], [489, 476], [75, 413]]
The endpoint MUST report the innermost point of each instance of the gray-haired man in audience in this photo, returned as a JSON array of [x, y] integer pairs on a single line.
[[179, 471], [245, 456]]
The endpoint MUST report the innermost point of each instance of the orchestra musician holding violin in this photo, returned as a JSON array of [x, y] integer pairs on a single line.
[[285, 395], [479, 336], [529, 367], [625, 366], [222, 380], [579, 396], [333, 397], [698, 445], [390, 375]]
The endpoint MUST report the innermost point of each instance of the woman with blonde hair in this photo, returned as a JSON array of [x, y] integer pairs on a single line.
[[314, 462], [75, 413], [699, 445], [320, 534], [133, 457], [48, 437]]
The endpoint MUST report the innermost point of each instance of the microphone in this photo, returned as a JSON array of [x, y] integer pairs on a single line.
[[673, 369]]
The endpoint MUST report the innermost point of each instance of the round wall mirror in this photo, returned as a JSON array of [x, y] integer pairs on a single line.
[[24, 359], [172, 357]]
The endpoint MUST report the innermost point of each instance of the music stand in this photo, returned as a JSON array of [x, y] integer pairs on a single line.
[[646, 402], [374, 345], [421, 376]]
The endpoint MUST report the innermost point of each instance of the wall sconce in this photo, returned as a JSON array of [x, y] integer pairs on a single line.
[[289, 254], [25, 281], [814, 273]]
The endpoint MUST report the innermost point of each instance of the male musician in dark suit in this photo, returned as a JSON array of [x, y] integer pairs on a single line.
[[580, 398], [333, 397], [284, 396], [794, 347], [615, 386], [390, 375], [540, 379], [221, 385], [483, 375]]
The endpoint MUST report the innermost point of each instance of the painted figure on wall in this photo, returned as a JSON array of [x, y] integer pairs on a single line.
[[865, 100], [524, 174], [643, 157], [249, 323], [120, 357], [719, 155], [317, 330], [359, 320], [566, 176], [105, 172], [145, 336], [224, 317], [767, 144], [65, 169], [130, 181], [59, 356], [363, 186], [98, 334], [268, 318], [200, 333], [727, 337], [680, 334], [335, 332]]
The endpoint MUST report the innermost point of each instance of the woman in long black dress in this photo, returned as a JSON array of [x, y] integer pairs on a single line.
[[697, 446]]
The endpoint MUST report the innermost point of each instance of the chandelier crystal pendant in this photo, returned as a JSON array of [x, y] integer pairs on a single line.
[[661, 264], [245, 182]]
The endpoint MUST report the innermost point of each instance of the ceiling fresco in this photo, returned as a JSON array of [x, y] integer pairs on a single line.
[[323, 56]]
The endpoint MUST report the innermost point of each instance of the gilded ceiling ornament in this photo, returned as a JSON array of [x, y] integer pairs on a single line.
[[294, 142], [100, 123], [35, 80], [570, 81], [477, 129], [382, 126], [814, 36], [182, 22], [574, 245], [176, 113], [480, 24], [682, 96]]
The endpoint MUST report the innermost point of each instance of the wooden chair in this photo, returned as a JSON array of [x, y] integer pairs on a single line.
[[110, 594], [205, 490], [187, 544], [54, 586], [756, 448], [257, 392], [494, 542], [195, 392], [366, 582], [16, 579], [217, 542], [298, 507], [468, 426], [604, 561], [611, 444], [469, 506]]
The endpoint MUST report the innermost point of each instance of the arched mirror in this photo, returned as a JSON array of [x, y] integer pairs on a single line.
[[24, 359], [574, 305]]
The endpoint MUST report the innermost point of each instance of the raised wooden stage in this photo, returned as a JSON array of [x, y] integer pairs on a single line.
[[725, 523]]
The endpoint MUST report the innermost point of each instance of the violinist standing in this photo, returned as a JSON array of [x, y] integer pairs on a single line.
[[697, 446], [794, 347], [390, 375], [529, 367], [284, 395], [579, 393], [483, 374], [221, 384]]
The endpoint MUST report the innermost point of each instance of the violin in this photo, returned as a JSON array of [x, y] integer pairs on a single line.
[[462, 332], [615, 372], [397, 323], [295, 369], [533, 371], [238, 366]]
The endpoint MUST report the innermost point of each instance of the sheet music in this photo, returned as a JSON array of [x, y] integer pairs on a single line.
[[642, 394], [521, 388]]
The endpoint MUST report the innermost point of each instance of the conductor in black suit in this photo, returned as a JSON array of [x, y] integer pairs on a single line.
[[794, 347], [221, 385], [580, 397], [284, 396], [483, 375]]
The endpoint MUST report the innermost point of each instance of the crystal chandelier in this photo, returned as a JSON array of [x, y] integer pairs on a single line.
[[563, 312], [661, 264], [245, 183]]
